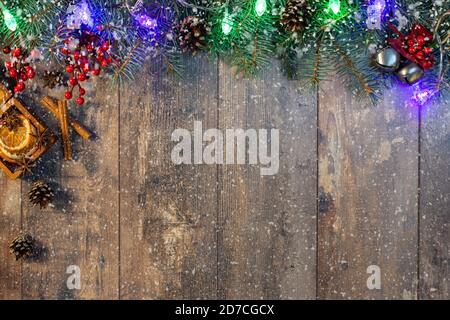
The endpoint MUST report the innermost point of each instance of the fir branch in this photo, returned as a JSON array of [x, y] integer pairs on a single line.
[[368, 90], [128, 59]]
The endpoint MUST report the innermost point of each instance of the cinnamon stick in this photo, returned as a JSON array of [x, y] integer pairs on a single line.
[[51, 106], [64, 123]]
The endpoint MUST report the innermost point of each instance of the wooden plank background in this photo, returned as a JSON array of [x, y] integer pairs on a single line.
[[358, 185]]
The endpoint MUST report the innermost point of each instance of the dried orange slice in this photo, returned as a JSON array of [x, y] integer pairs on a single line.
[[18, 142]]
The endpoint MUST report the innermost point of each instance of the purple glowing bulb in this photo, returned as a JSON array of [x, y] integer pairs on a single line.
[[146, 21]]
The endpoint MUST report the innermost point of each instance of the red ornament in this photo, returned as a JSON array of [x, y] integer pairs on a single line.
[[413, 45], [81, 77], [76, 55], [68, 95], [81, 91], [23, 76], [69, 68], [80, 101], [96, 72], [7, 50]]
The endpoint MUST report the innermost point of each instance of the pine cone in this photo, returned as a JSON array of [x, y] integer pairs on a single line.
[[54, 79], [192, 33], [22, 246], [294, 17], [40, 194]]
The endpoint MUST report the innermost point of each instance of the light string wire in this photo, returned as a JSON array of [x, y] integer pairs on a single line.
[[441, 43]]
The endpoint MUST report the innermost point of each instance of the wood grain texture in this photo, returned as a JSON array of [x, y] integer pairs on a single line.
[[168, 211], [81, 228], [435, 203], [368, 180], [268, 223], [10, 226]]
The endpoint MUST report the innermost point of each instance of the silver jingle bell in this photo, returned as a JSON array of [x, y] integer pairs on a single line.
[[410, 74], [387, 59]]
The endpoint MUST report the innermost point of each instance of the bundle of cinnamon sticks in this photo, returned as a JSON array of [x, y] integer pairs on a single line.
[[60, 111]]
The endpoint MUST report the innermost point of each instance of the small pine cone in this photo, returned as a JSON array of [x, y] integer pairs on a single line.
[[40, 194], [192, 33], [22, 246], [294, 17]]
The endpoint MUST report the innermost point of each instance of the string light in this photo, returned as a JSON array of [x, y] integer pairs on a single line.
[[334, 6], [260, 7], [227, 24], [10, 21]]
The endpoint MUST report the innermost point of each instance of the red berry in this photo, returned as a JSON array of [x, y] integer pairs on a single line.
[[81, 77], [73, 81], [23, 76], [69, 68], [411, 50], [420, 55], [80, 101], [19, 87], [96, 72], [68, 95], [427, 65], [12, 73], [76, 55], [17, 52], [109, 59], [65, 51], [410, 42], [105, 63], [7, 50], [86, 68], [420, 40], [105, 46], [427, 50], [9, 65], [81, 91], [89, 47]]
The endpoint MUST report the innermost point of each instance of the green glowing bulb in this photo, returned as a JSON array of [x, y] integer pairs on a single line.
[[334, 6], [260, 7], [10, 21], [227, 24]]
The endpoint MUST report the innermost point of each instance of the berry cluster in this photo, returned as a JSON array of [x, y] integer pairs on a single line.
[[85, 54], [19, 67], [414, 46]]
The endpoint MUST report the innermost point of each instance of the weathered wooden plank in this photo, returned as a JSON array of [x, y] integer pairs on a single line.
[[10, 226], [81, 229], [168, 211], [267, 223], [434, 203], [368, 179]]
